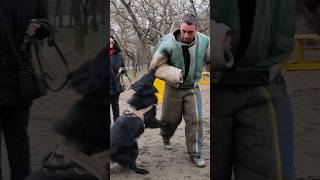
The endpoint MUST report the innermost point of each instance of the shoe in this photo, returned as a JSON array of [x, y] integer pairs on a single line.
[[167, 144], [198, 161]]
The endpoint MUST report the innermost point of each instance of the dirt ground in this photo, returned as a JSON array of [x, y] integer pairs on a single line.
[[168, 164], [304, 89]]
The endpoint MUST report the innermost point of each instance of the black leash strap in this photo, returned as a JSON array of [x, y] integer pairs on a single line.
[[128, 77], [63, 59]]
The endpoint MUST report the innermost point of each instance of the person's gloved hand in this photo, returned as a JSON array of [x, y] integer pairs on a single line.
[[33, 27], [122, 70], [31, 31]]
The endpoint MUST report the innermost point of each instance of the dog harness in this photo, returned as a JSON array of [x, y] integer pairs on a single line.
[[138, 113]]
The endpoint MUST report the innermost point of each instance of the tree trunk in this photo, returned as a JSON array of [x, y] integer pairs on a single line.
[[84, 6], [94, 21], [101, 7], [71, 18], [78, 28]]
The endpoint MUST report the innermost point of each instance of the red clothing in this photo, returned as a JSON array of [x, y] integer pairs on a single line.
[[111, 51]]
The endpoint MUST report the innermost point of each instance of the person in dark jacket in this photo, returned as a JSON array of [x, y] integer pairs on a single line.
[[116, 67], [26, 20]]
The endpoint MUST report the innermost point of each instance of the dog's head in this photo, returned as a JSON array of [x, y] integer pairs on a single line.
[[144, 96], [144, 86]]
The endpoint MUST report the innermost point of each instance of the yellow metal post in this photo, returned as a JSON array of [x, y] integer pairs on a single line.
[[299, 49], [160, 85]]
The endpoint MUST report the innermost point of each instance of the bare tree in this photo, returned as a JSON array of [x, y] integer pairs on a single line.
[[85, 12], [139, 24]]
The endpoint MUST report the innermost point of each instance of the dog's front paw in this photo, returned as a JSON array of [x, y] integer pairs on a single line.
[[139, 170], [155, 123]]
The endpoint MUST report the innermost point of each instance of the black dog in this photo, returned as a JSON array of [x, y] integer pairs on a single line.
[[85, 125], [128, 127]]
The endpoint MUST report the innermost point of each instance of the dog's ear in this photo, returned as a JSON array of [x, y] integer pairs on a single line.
[[145, 84], [145, 90], [152, 73]]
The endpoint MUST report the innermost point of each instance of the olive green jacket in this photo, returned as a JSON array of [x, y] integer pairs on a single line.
[[272, 36]]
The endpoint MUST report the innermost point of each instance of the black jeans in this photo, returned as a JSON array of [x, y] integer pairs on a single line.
[[14, 124], [114, 101]]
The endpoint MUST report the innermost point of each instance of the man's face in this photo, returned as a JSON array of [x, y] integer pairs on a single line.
[[111, 43], [188, 32]]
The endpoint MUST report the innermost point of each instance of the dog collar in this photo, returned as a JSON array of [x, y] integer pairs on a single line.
[[140, 113]]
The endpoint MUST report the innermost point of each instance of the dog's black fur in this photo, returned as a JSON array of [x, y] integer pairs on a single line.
[[127, 129], [85, 124]]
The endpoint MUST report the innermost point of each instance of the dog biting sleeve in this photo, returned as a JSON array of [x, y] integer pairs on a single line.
[[169, 73], [158, 60]]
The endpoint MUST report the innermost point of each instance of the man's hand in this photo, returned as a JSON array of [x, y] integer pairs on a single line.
[[31, 31], [122, 70], [33, 27]]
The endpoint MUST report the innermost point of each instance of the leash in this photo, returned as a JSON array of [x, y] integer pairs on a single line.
[[45, 74], [51, 42], [140, 113], [122, 81]]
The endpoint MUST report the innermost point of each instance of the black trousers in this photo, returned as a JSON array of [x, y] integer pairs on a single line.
[[14, 124], [114, 101]]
